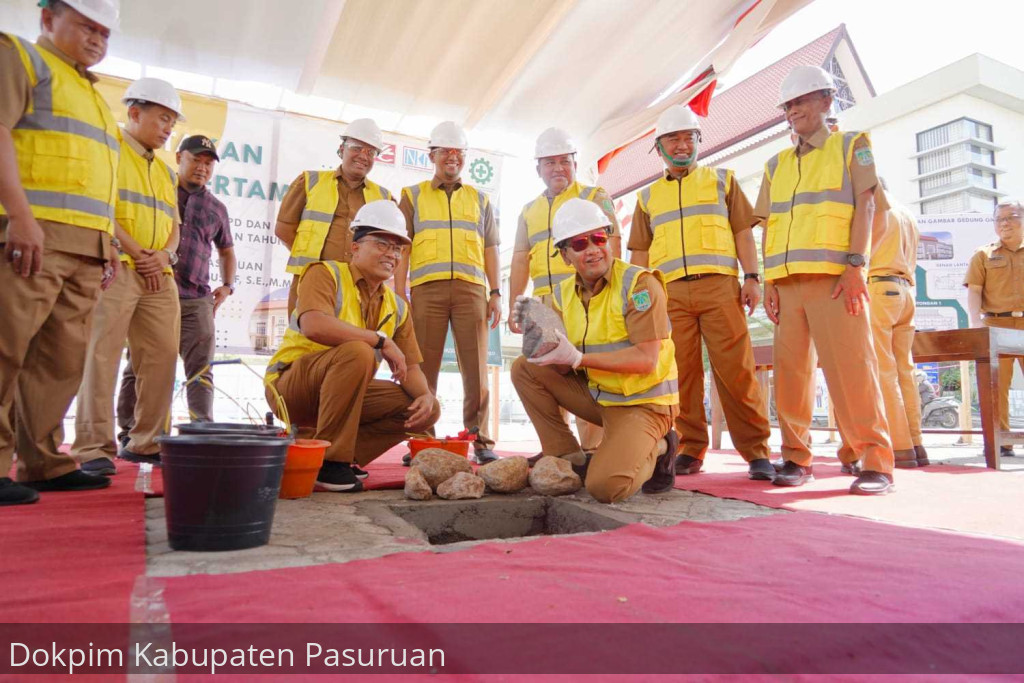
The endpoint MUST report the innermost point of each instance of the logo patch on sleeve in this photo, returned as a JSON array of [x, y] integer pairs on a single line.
[[864, 156], [641, 300]]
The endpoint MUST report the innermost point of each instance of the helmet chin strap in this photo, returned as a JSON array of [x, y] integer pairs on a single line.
[[680, 163]]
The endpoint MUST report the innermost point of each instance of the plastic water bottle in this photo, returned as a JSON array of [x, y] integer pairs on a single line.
[[150, 623]]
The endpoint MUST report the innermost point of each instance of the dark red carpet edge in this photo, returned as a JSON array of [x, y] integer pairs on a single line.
[[73, 557], [798, 567]]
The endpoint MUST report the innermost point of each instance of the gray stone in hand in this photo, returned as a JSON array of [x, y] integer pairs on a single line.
[[438, 465], [554, 477], [507, 475], [462, 486], [539, 325]]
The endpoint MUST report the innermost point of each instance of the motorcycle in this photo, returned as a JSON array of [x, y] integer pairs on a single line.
[[941, 412]]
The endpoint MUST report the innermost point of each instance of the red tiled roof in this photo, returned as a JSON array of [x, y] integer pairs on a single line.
[[741, 111]]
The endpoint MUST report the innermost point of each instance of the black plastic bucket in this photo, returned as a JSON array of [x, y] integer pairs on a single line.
[[229, 429], [220, 491]]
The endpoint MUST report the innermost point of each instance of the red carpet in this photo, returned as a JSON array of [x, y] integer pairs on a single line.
[[783, 568], [73, 557], [967, 499]]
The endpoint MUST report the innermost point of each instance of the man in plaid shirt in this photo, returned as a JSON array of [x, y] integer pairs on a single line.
[[204, 223]]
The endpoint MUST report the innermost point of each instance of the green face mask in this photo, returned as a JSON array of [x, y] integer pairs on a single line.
[[678, 163]]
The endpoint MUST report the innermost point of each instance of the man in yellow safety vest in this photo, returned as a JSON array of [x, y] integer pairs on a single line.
[[615, 366], [59, 147]]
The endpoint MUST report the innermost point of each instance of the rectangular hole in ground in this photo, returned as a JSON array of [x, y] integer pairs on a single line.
[[476, 520]]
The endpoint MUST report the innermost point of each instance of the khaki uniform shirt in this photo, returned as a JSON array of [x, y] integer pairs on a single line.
[[1000, 274], [491, 236], [15, 97], [740, 215], [338, 245], [318, 292], [863, 176], [894, 240], [601, 198], [642, 326]]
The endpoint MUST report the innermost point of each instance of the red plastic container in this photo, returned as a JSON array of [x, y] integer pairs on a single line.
[[301, 466], [456, 446]]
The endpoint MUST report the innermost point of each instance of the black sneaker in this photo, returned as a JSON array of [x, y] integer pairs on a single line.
[[132, 456], [760, 469], [100, 466], [534, 459], [123, 438], [72, 481], [407, 460], [664, 476], [12, 493], [359, 472], [581, 470], [482, 456], [338, 476]]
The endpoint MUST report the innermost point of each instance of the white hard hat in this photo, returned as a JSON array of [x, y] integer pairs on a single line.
[[365, 130], [803, 80], [383, 215], [576, 217], [103, 12], [157, 91], [675, 118], [552, 143], [448, 134]]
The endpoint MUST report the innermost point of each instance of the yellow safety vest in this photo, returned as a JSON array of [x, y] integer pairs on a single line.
[[601, 326], [147, 201], [690, 224], [812, 206], [67, 144], [448, 234], [315, 223], [546, 270], [295, 345]]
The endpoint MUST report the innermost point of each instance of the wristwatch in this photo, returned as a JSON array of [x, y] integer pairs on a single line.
[[756, 277], [230, 286], [495, 291], [380, 342], [172, 257], [855, 260]]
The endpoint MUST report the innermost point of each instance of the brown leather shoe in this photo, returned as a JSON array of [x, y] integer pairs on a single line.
[[905, 458], [792, 474], [686, 464], [871, 483], [534, 459], [922, 456], [1006, 451]]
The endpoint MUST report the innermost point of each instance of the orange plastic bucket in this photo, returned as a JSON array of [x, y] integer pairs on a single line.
[[301, 466], [456, 446]]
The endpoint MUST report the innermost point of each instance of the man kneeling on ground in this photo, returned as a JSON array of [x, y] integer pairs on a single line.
[[345, 321], [616, 366]]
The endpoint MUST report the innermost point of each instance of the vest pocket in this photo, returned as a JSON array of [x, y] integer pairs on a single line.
[[714, 236], [301, 244], [660, 250], [832, 229], [474, 246], [424, 250], [60, 162]]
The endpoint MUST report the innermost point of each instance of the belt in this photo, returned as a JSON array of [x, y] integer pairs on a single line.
[[889, 278], [1007, 314], [691, 278]]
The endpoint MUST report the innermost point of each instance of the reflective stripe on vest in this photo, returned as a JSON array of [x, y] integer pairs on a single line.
[[448, 234], [66, 144], [812, 205], [690, 228], [601, 327], [547, 268], [315, 222], [347, 307], [147, 201]]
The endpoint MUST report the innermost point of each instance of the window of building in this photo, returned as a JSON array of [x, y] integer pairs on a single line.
[[960, 129], [843, 99], [261, 328]]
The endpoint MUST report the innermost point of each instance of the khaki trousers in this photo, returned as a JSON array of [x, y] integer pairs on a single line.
[[150, 323], [626, 456], [196, 347], [815, 327], [892, 331], [332, 395], [43, 338], [709, 308], [590, 433], [464, 306], [1006, 369]]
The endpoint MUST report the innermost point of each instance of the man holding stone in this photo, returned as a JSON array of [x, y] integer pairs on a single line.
[[614, 366]]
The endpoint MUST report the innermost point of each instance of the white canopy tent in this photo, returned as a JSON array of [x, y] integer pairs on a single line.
[[506, 69]]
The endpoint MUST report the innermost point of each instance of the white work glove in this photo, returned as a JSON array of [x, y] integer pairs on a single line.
[[563, 354], [517, 309]]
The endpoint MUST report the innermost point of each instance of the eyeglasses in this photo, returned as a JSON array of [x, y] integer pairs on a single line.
[[1011, 218], [384, 246], [361, 150], [449, 152], [598, 239]]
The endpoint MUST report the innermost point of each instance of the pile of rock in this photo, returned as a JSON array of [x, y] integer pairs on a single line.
[[451, 476]]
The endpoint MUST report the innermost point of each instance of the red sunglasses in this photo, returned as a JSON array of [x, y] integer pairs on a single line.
[[598, 239]]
